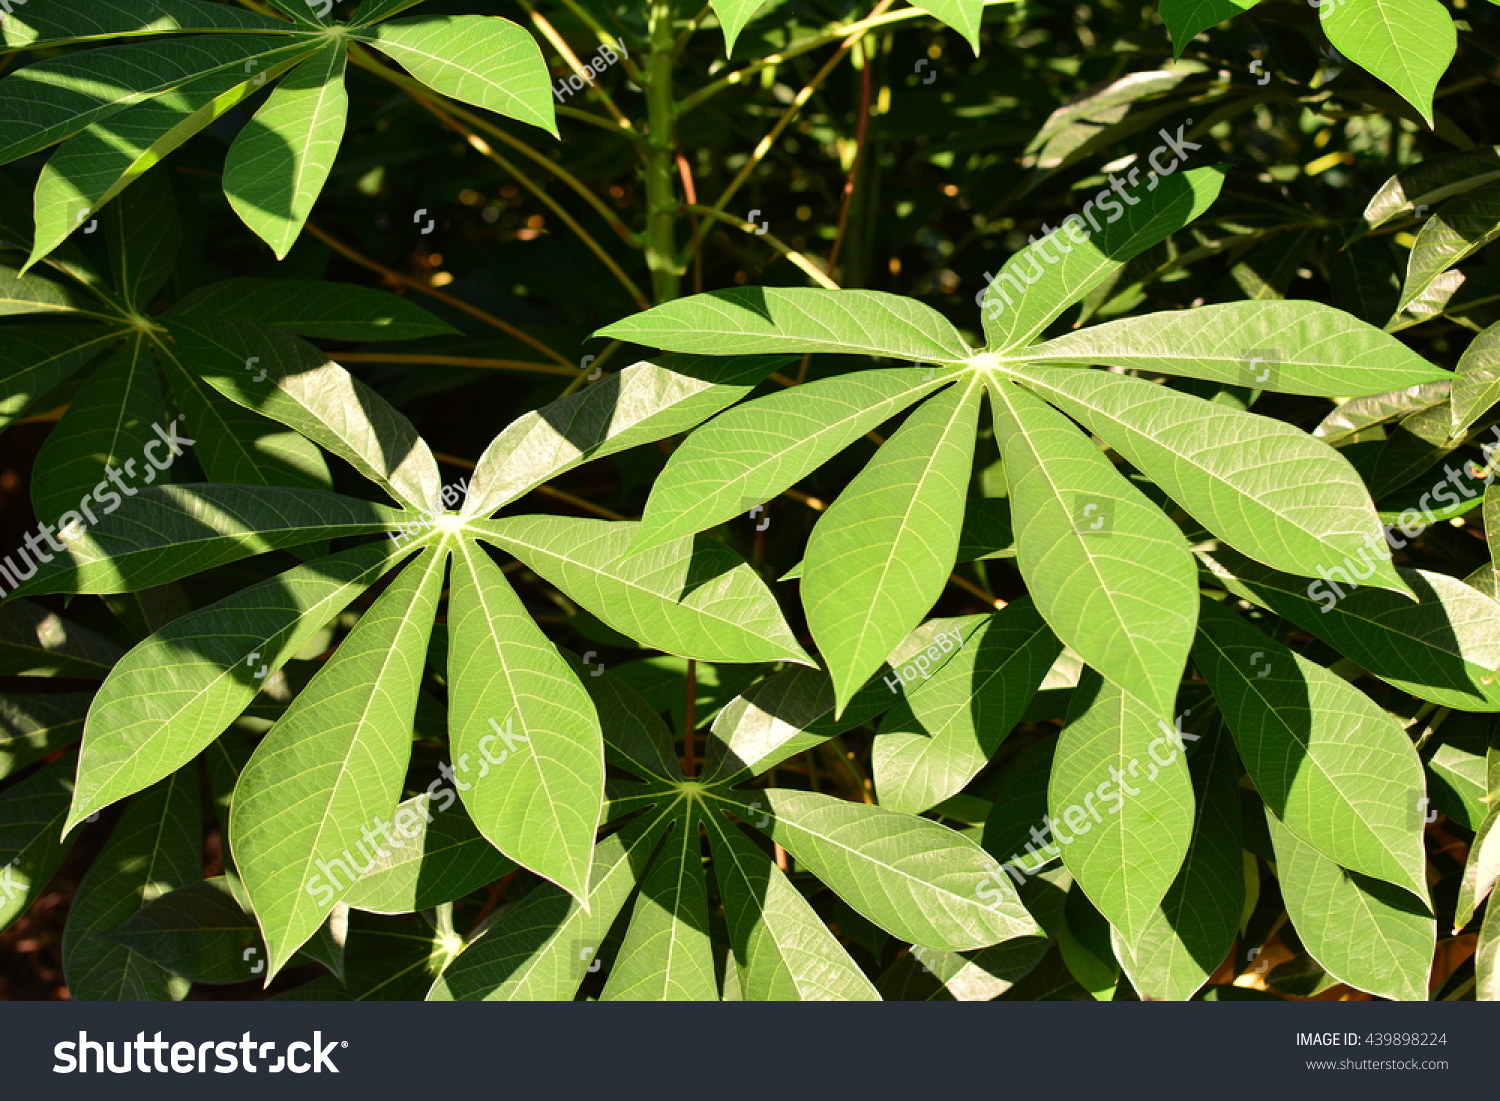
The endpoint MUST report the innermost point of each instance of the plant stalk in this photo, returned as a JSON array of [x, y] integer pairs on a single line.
[[661, 162]]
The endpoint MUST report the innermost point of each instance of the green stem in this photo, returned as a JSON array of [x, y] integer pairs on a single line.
[[661, 192]]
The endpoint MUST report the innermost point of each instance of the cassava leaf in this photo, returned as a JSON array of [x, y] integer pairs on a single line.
[[1288, 347], [1109, 572], [912, 877], [1406, 43], [280, 161], [764, 320], [538, 796], [881, 554], [322, 783], [694, 597], [479, 59], [1337, 771], [1127, 861], [1363, 931]]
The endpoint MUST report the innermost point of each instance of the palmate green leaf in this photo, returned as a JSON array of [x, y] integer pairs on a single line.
[[144, 235], [783, 950], [1430, 182], [536, 787], [733, 15], [1126, 855], [1186, 939], [32, 294], [236, 446], [1284, 346], [1109, 572], [1049, 290], [1406, 43], [34, 725], [93, 167], [35, 358], [694, 598], [1186, 19], [290, 381], [755, 320], [30, 846], [881, 554], [52, 100], [962, 15], [325, 779], [1364, 932], [175, 692], [1477, 387], [315, 308], [1481, 871], [751, 453], [933, 742], [479, 59], [280, 161], [164, 533], [645, 402], [1441, 648], [155, 848], [542, 948], [199, 932], [917, 880], [441, 856], [1334, 768], [667, 955], [104, 427], [1451, 235], [45, 23], [1265, 487]]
